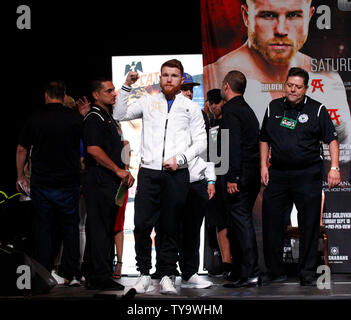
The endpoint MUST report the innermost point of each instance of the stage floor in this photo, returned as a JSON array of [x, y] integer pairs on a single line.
[[290, 289], [278, 300]]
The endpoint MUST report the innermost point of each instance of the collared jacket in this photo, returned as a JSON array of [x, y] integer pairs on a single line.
[[178, 132]]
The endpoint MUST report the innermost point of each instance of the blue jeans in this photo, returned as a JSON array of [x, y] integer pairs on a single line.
[[48, 202]]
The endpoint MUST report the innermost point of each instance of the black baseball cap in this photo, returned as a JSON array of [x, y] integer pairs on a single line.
[[214, 95]]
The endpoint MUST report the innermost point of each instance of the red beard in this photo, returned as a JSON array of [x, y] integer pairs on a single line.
[[170, 92]]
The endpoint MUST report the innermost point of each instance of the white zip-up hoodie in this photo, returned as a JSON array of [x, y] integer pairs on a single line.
[[180, 132]]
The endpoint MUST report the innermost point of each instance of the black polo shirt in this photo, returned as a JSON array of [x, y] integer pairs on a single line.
[[101, 130], [54, 133], [301, 146]]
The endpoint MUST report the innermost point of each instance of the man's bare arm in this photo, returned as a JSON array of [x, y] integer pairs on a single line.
[[21, 154], [334, 175], [264, 152]]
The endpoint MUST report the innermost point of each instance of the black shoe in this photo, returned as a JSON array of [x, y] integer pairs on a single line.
[[308, 281], [107, 284], [245, 283], [231, 276], [269, 278]]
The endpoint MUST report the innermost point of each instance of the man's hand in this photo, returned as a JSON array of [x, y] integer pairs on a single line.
[[132, 77], [126, 177], [264, 176], [83, 106], [22, 186], [232, 188], [171, 164], [129, 180], [211, 190], [333, 178]]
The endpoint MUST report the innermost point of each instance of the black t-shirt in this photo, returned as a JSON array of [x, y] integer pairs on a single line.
[[53, 133], [299, 147], [214, 122], [101, 130]]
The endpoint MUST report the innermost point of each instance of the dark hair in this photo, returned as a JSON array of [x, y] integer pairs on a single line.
[[299, 72], [96, 85], [56, 89], [174, 63], [236, 81]]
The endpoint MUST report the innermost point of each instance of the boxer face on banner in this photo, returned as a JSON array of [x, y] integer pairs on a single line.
[[170, 81], [277, 29]]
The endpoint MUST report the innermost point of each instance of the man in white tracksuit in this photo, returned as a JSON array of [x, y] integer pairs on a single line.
[[173, 134], [201, 190]]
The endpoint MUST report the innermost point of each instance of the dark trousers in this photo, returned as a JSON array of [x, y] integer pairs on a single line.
[[242, 229], [191, 221], [304, 188], [65, 202], [160, 199], [101, 217]]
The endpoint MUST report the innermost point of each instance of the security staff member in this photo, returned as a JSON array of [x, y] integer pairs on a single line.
[[201, 190], [241, 184], [51, 136], [293, 128], [103, 175]]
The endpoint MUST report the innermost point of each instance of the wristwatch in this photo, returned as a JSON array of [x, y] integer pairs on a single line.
[[180, 160], [335, 168]]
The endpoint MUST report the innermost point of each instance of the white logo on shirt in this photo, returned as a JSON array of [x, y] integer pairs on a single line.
[[303, 118]]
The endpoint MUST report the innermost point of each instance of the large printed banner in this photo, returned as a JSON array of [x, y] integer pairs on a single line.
[[149, 71], [263, 39]]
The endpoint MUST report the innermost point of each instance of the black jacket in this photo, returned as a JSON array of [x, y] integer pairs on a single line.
[[239, 118]]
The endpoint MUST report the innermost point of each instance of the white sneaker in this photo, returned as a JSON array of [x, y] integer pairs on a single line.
[[74, 282], [58, 279], [143, 284], [196, 282], [167, 286]]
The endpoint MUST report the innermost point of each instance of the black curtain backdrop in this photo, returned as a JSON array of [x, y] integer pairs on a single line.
[[74, 41]]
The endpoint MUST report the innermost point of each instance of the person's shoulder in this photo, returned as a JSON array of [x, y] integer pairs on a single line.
[[39, 114], [94, 115], [277, 104], [71, 112], [227, 108], [188, 102], [238, 59], [238, 55], [312, 103]]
